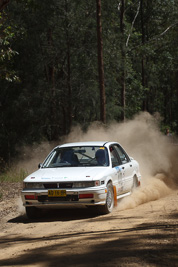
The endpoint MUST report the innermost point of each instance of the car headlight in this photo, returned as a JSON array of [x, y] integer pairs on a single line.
[[85, 184], [32, 185], [82, 184]]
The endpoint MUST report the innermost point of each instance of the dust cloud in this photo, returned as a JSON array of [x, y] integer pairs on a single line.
[[140, 137], [142, 140], [153, 189], [31, 156], [21, 208]]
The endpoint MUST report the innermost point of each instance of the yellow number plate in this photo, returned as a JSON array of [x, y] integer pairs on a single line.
[[56, 193]]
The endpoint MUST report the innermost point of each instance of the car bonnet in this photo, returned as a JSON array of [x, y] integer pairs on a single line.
[[68, 174]]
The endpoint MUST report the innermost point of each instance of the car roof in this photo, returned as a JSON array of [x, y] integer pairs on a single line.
[[89, 143]]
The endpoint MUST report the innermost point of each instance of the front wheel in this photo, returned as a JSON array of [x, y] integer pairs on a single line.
[[108, 207]]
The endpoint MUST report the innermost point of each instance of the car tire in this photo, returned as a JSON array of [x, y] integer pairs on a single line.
[[108, 207], [135, 183], [32, 212]]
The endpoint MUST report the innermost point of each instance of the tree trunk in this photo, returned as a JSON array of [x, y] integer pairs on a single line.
[[100, 64], [3, 4], [122, 9], [51, 80], [143, 57], [69, 87], [69, 92]]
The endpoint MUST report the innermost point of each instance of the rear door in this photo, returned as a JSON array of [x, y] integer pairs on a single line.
[[118, 171], [127, 168]]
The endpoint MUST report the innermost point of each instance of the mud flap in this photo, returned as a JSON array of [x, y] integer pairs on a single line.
[[115, 196]]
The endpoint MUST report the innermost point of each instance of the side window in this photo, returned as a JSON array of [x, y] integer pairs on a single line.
[[123, 156], [114, 157]]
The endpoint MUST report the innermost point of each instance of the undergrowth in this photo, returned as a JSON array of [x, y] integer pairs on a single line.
[[13, 175]]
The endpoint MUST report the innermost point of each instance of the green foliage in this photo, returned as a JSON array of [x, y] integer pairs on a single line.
[[13, 175], [49, 72], [8, 34]]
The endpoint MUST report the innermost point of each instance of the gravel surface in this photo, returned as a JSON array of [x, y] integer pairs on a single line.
[[9, 192]]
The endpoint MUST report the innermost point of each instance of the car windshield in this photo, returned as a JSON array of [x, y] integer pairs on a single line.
[[77, 157]]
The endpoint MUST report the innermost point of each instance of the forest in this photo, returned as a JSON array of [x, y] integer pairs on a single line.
[[50, 77]]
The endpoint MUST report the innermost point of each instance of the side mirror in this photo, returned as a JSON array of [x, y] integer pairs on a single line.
[[39, 165]]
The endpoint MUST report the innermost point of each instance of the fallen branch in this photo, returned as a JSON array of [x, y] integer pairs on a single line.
[[3, 4]]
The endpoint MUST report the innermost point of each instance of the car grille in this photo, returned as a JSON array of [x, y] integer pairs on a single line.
[[58, 199], [58, 185]]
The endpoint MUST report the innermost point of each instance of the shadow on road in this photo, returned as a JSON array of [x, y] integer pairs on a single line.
[[151, 244], [58, 215]]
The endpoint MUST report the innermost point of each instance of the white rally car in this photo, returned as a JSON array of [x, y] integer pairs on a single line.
[[84, 173]]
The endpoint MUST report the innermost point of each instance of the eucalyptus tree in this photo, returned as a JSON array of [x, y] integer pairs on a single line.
[[49, 71], [122, 80], [158, 21], [59, 52], [3, 4], [10, 31], [100, 63]]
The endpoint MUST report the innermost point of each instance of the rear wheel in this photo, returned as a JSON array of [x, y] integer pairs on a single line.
[[135, 183], [33, 212], [108, 207]]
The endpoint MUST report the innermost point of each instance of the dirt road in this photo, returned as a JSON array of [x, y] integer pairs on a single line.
[[144, 235]]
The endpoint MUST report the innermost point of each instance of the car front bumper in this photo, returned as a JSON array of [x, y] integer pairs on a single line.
[[75, 197]]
